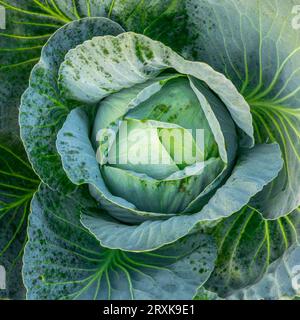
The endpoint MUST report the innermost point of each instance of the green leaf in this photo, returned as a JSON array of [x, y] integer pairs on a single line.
[[203, 294], [247, 246], [27, 29], [43, 110], [20, 45], [17, 186], [164, 21], [64, 261], [110, 55], [76, 9], [29, 24], [281, 280], [254, 45]]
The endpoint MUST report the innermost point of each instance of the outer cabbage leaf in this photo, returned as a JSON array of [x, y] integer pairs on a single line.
[[43, 109], [64, 261], [20, 47], [129, 59], [77, 9], [165, 21], [247, 247], [28, 26], [254, 44], [17, 186], [281, 280]]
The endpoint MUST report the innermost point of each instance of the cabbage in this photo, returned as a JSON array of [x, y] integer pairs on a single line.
[[158, 153]]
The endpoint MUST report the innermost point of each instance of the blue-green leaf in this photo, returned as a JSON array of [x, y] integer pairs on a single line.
[[43, 110], [64, 261], [17, 186], [165, 21], [281, 280], [28, 26], [254, 44], [109, 56], [247, 246]]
